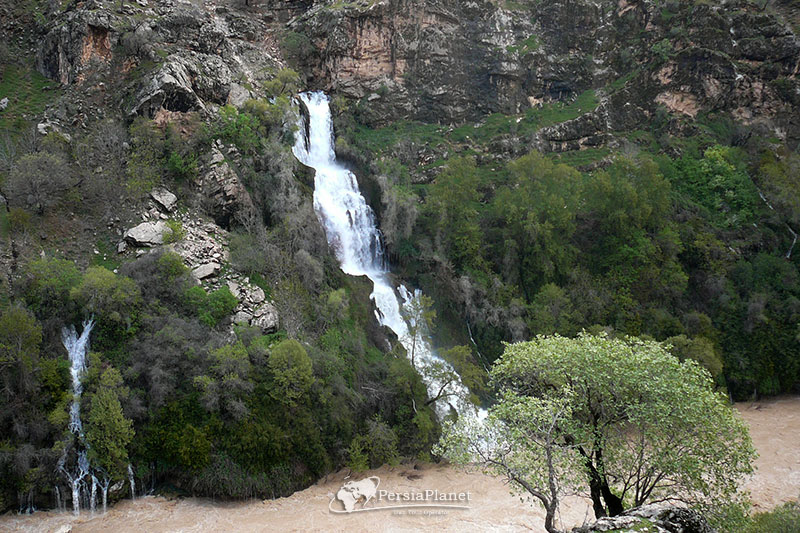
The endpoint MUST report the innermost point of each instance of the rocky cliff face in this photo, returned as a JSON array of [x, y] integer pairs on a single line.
[[452, 61]]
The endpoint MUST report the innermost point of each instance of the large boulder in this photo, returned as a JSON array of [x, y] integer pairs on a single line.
[[266, 318], [148, 234], [654, 518]]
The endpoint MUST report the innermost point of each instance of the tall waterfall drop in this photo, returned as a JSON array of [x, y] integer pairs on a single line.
[[352, 233]]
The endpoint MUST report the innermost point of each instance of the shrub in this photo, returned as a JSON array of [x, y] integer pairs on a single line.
[[210, 308], [39, 180]]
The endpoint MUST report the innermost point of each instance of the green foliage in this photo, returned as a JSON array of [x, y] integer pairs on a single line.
[[248, 128], [291, 370], [108, 432], [720, 183], [297, 47], [452, 206], [145, 163], [49, 282], [176, 233], [182, 168], [210, 308], [620, 418], [782, 519], [285, 83], [20, 339]]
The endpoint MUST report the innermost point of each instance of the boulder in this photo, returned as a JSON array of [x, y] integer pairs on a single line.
[[206, 270], [658, 518], [242, 317], [266, 318], [165, 199], [147, 234], [3, 104]]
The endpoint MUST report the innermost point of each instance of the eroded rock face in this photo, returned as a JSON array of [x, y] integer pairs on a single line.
[[83, 39], [445, 61], [656, 518], [225, 197]]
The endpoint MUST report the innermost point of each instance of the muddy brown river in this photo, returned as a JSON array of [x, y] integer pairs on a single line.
[[774, 426]]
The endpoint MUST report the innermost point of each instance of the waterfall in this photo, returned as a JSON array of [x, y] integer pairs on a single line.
[[77, 349], [353, 235], [132, 482]]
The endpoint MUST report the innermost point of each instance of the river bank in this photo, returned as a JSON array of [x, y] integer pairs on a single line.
[[774, 426]]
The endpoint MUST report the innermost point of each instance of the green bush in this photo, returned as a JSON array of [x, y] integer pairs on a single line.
[[783, 519], [210, 308]]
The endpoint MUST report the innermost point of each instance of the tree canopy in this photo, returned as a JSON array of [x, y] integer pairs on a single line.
[[620, 419]]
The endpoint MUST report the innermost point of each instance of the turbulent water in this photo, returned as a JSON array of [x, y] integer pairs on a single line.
[[353, 234]]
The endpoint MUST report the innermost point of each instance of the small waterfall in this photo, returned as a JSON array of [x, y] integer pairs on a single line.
[[77, 348], [353, 234], [132, 481]]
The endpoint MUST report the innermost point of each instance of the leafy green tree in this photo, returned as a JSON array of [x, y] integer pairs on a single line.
[[20, 340], [291, 370], [48, 284], [227, 385], [108, 431], [538, 207], [521, 440], [114, 300], [641, 425], [452, 205]]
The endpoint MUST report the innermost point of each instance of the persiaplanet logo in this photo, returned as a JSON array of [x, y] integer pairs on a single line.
[[366, 495]]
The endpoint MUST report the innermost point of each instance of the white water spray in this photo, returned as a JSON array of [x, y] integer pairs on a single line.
[[353, 234]]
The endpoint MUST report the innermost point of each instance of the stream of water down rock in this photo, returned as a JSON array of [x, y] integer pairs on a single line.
[[352, 233]]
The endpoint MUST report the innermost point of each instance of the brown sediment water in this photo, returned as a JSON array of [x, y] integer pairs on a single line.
[[774, 426]]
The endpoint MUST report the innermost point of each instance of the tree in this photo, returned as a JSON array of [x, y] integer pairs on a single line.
[[419, 315], [108, 432], [453, 206], [538, 209], [522, 440], [39, 180], [291, 370], [20, 339], [641, 425]]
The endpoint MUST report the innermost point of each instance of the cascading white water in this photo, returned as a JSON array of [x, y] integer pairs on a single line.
[[77, 349], [353, 234]]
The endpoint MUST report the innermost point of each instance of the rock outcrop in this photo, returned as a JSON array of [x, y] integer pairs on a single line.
[[225, 197], [654, 518]]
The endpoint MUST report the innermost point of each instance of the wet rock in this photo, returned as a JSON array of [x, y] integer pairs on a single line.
[[165, 199], [148, 234]]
